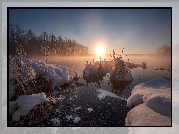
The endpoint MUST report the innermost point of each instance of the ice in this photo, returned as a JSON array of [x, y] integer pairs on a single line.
[[90, 109], [76, 119], [69, 117], [78, 108], [104, 93], [26, 103], [55, 121], [152, 101]]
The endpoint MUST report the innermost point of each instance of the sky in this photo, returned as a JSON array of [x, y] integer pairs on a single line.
[[138, 31]]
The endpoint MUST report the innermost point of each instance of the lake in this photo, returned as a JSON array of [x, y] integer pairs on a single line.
[[108, 111], [139, 74]]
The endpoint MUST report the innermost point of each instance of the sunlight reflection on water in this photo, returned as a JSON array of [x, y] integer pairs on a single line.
[[139, 74]]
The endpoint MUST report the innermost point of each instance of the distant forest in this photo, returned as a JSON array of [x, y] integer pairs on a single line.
[[34, 44]]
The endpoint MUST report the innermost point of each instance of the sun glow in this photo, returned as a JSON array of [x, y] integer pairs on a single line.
[[100, 50]]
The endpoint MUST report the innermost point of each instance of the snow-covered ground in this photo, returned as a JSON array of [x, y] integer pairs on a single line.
[[152, 101], [25, 104]]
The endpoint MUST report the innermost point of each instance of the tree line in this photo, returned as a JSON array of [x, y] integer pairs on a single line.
[[34, 44], [164, 50]]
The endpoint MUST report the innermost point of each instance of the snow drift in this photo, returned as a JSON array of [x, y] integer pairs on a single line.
[[152, 99], [25, 104], [57, 73], [144, 116]]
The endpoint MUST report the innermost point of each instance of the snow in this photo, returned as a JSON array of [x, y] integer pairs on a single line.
[[57, 73], [104, 93], [26, 103], [90, 109], [54, 93], [76, 119], [152, 99], [144, 116], [121, 72]]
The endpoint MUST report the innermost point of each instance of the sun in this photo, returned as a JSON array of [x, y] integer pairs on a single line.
[[100, 50]]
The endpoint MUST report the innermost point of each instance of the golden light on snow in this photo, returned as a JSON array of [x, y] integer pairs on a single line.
[[100, 50]]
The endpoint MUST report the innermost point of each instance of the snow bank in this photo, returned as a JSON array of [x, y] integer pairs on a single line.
[[57, 73], [26, 103], [156, 94], [144, 116], [104, 93], [152, 99]]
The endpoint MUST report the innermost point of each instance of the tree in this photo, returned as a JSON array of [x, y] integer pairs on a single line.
[[164, 50]]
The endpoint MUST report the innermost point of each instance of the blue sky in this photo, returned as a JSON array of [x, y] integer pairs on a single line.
[[136, 30]]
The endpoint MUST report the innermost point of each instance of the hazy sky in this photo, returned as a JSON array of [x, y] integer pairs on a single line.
[[135, 30]]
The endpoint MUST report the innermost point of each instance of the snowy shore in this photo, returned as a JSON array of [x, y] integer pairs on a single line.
[[152, 101]]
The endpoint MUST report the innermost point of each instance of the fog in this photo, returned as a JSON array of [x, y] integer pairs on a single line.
[[78, 62]]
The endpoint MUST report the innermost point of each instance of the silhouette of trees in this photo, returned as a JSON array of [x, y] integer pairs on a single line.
[[33, 44], [164, 50]]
